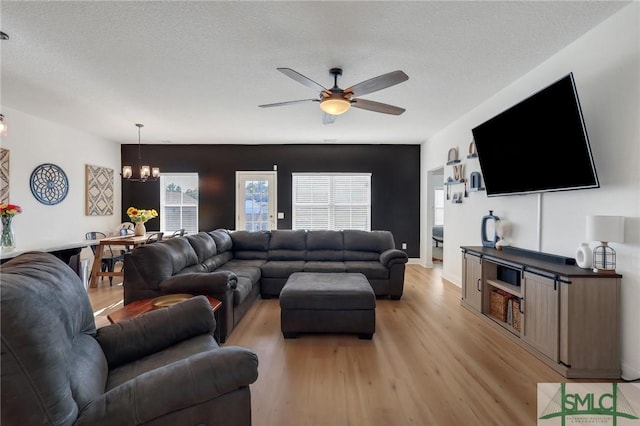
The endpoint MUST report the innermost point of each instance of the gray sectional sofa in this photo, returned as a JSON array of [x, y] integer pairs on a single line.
[[237, 267]]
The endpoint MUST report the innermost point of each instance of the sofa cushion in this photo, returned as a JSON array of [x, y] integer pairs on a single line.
[[203, 244], [180, 351], [288, 245], [366, 245], [242, 290], [371, 269], [319, 266], [282, 268], [325, 246], [222, 239], [217, 261], [198, 267], [158, 261], [246, 271], [250, 245], [51, 364]]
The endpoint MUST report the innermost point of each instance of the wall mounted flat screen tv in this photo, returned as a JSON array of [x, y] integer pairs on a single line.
[[538, 145]]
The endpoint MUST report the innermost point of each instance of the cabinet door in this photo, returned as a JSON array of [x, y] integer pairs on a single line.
[[472, 281], [540, 319]]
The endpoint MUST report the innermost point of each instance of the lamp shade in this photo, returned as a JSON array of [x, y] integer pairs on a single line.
[[605, 228], [335, 105]]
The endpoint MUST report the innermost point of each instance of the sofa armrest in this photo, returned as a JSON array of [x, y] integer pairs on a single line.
[[176, 386], [155, 330], [200, 283], [393, 256]]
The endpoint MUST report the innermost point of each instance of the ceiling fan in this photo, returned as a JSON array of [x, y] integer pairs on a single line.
[[336, 101]]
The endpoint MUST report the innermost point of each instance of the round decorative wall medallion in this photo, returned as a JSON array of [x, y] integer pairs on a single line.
[[49, 184]]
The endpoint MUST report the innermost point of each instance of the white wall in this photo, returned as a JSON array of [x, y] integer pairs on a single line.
[[33, 141], [606, 66]]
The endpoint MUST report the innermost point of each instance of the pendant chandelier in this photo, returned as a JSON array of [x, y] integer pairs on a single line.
[[147, 174]]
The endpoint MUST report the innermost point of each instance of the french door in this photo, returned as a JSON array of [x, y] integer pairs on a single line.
[[256, 201]]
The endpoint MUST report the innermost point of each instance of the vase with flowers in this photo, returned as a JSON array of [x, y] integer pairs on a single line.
[[7, 212], [139, 217]]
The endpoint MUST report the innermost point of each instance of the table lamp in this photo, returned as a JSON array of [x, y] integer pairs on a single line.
[[605, 229]]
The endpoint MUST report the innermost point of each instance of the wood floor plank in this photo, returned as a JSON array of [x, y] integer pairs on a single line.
[[430, 362]]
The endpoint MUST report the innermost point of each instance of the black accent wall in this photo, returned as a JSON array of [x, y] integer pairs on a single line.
[[395, 180]]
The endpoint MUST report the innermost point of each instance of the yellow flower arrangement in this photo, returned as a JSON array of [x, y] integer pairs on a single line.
[[140, 215]]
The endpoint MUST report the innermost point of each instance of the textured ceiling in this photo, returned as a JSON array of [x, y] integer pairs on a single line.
[[195, 72]]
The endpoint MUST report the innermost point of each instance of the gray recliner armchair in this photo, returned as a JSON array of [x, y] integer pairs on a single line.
[[162, 368]]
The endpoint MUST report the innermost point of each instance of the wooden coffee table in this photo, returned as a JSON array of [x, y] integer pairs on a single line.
[[139, 307]]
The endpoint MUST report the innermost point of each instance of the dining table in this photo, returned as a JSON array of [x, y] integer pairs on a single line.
[[130, 241]]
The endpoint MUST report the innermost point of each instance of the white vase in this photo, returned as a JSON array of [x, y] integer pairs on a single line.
[[584, 256], [139, 230]]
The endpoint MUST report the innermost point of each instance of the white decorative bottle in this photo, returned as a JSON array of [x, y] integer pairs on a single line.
[[584, 256]]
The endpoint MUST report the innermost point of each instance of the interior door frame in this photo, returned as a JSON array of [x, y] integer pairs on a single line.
[[270, 175]]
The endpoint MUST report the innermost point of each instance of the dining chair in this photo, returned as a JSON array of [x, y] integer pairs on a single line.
[[178, 233], [109, 256], [154, 237]]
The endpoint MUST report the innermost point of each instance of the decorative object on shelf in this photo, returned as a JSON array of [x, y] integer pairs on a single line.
[[7, 212], [147, 174], [3, 126], [584, 256], [452, 156], [473, 153], [139, 217], [488, 230], [99, 196], [475, 182], [605, 229], [457, 172], [49, 184], [502, 229], [4, 175], [457, 198]]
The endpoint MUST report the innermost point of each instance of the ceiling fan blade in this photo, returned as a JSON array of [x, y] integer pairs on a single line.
[[328, 118], [301, 78], [378, 83], [301, 101], [376, 106]]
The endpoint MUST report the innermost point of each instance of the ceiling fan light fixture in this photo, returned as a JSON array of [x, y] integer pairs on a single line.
[[335, 106]]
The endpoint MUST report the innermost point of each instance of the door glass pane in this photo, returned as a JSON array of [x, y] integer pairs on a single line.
[[256, 205]]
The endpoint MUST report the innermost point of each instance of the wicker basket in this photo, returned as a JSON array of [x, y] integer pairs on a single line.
[[517, 315], [498, 307]]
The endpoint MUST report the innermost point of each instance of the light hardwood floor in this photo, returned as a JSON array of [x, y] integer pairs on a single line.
[[430, 362]]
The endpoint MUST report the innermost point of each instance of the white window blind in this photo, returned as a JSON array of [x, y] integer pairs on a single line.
[[331, 201], [438, 207], [179, 202]]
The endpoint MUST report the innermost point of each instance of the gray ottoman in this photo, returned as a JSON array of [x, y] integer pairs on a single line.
[[317, 302]]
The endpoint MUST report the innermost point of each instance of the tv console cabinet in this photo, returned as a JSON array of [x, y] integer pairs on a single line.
[[567, 317]]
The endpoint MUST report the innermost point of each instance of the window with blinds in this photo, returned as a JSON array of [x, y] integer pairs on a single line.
[[179, 202], [331, 201]]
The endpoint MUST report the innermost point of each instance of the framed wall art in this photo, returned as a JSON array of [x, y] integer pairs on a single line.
[[49, 184], [4, 176], [99, 195]]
